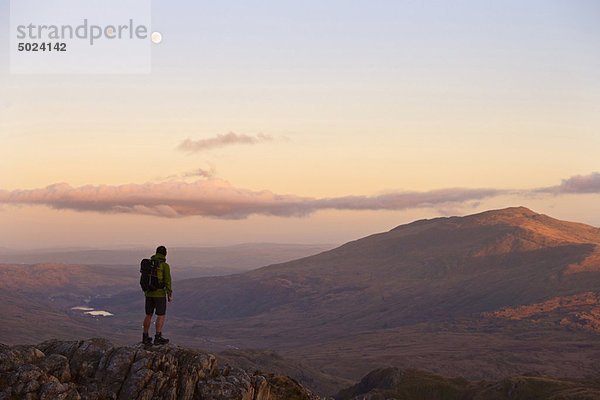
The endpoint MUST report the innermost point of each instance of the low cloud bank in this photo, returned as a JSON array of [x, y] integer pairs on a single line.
[[218, 198], [578, 184]]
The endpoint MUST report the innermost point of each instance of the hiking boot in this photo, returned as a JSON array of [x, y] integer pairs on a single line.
[[158, 339], [146, 339]]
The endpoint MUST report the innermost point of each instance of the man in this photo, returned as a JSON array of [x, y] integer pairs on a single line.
[[155, 300]]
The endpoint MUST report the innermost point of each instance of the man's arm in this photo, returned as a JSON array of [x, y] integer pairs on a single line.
[[167, 281]]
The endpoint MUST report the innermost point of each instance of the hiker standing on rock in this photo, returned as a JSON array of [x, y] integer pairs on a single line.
[[156, 283]]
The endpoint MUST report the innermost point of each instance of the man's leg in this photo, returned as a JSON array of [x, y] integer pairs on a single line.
[[148, 321], [161, 308], [160, 320]]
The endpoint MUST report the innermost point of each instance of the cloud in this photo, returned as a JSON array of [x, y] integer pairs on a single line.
[[219, 199], [578, 184], [199, 172], [214, 197], [404, 200], [196, 146]]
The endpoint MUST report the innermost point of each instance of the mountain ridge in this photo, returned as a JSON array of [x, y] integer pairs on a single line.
[[409, 262], [403, 255]]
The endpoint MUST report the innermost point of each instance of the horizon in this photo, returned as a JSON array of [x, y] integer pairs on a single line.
[[140, 247], [306, 123]]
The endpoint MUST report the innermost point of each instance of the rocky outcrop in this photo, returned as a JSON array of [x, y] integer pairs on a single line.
[[97, 369], [580, 311]]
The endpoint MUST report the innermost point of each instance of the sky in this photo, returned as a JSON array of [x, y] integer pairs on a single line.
[[307, 122]]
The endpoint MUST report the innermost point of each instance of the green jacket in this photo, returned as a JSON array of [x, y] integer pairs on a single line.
[[164, 275]]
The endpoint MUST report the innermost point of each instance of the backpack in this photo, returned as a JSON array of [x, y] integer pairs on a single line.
[[149, 277]]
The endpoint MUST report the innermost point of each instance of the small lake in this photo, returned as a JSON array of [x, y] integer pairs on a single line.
[[91, 311]]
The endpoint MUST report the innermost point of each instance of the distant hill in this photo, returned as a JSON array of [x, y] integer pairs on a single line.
[[187, 261], [38, 297], [413, 296], [58, 278]]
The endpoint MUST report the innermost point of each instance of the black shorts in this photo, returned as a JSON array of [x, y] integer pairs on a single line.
[[160, 303]]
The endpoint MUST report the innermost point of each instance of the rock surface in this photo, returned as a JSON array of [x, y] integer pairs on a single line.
[[97, 369]]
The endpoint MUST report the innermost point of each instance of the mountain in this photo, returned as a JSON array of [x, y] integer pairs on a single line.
[[393, 383], [97, 369], [416, 272]]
